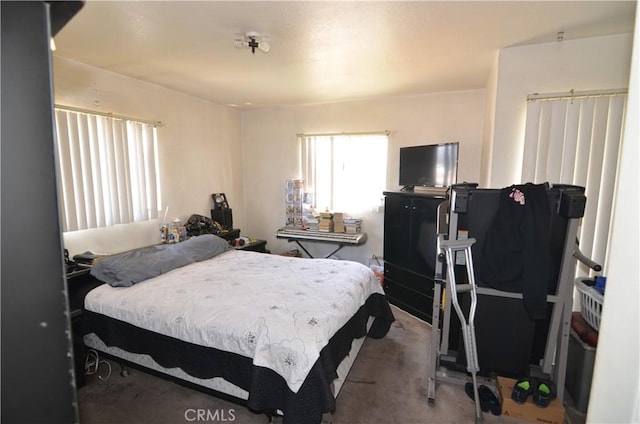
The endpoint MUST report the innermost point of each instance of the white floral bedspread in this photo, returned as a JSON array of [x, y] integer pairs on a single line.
[[280, 311]]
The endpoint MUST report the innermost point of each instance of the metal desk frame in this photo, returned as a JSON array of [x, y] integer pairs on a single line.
[[320, 239]]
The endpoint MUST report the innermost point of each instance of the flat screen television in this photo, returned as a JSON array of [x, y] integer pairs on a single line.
[[432, 165]]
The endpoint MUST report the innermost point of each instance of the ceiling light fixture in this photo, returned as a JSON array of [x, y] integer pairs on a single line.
[[254, 41]]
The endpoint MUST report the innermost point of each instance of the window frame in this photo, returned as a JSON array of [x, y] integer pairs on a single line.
[[344, 151], [107, 169]]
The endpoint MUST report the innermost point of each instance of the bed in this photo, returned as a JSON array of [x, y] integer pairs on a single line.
[[274, 332]]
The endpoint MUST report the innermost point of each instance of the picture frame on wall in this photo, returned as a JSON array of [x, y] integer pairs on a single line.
[[220, 201]]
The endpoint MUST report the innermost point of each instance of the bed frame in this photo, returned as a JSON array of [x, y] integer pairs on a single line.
[[234, 377], [217, 386]]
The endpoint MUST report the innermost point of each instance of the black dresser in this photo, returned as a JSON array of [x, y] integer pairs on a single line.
[[410, 249]]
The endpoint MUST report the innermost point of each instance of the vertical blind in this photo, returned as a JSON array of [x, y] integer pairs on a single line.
[[345, 172], [107, 170], [575, 140]]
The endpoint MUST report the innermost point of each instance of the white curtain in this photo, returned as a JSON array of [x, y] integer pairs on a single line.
[[345, 173], [575, 140], [107, 170]]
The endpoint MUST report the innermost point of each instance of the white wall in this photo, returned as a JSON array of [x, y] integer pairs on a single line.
[[615, 389], [585, 64], [271, 151], [490, 111], [200, 149]]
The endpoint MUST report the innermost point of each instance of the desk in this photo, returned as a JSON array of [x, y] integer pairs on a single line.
[[340, 239]]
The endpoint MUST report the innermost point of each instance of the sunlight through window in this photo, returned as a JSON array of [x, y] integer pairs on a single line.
[[345, 173]]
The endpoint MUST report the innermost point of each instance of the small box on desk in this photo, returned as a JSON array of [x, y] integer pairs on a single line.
[[528, 411]]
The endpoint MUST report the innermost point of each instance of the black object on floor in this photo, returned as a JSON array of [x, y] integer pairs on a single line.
[[488, 400], [543, 393], [522, 389]]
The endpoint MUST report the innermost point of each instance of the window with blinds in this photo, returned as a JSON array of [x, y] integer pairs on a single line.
[[108, 170], [575, 139], [345, 172]]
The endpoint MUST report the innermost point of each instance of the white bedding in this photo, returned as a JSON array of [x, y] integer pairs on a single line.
[[278, 310]]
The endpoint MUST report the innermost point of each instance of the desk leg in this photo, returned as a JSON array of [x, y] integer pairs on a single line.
[[334, 252], [302, 247], [309, 254]]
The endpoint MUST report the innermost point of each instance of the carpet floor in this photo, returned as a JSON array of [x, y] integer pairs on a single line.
[[387, 384]]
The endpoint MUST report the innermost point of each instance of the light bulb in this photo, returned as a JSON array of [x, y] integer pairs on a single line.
[[264, 46]]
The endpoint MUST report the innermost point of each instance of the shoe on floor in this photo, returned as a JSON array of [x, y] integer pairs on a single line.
[[469, 389], [522, 389], [543, 393], [488, 400]]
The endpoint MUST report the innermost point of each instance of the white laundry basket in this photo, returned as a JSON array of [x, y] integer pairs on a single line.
[[591, 302]]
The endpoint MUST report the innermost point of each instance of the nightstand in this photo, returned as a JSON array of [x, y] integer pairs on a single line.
[[79, 283], [231, 234], [255, 246]]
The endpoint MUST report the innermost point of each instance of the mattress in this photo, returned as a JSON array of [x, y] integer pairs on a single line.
[[285, 322]]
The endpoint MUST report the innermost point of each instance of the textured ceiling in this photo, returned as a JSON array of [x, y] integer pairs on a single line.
[[322, 51]]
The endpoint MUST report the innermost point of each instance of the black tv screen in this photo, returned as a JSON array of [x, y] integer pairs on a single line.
[[433, 165]]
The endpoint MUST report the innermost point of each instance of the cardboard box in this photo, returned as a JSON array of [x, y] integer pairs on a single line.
[[528, 411]]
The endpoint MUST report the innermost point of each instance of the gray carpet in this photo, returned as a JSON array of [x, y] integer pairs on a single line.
[[387, 384]]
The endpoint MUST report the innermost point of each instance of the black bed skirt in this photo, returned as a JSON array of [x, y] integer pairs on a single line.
[[268, 391]]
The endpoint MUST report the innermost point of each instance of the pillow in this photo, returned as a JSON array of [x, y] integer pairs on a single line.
[[202, 247], [129, 268]]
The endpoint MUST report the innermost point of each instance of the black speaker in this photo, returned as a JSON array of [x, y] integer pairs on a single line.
[[224, 217]]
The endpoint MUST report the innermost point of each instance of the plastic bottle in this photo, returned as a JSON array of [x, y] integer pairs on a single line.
[[601, 283], [164, 231], [174, 233]]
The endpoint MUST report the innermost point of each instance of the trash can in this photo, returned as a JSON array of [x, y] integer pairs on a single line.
[[580, 360]]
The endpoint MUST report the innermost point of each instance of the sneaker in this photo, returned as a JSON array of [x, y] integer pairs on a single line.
[[488, 400], [544, 392], [522, 389]]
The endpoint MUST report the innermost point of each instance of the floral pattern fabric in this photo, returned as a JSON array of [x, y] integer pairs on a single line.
[[280, 311]]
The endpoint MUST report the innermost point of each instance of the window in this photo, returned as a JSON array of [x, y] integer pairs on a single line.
[[345, 173], [107, 170], [575, 140]]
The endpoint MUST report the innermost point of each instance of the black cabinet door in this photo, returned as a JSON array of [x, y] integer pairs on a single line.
[[424, 219], [410, 231], [397, 230]]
